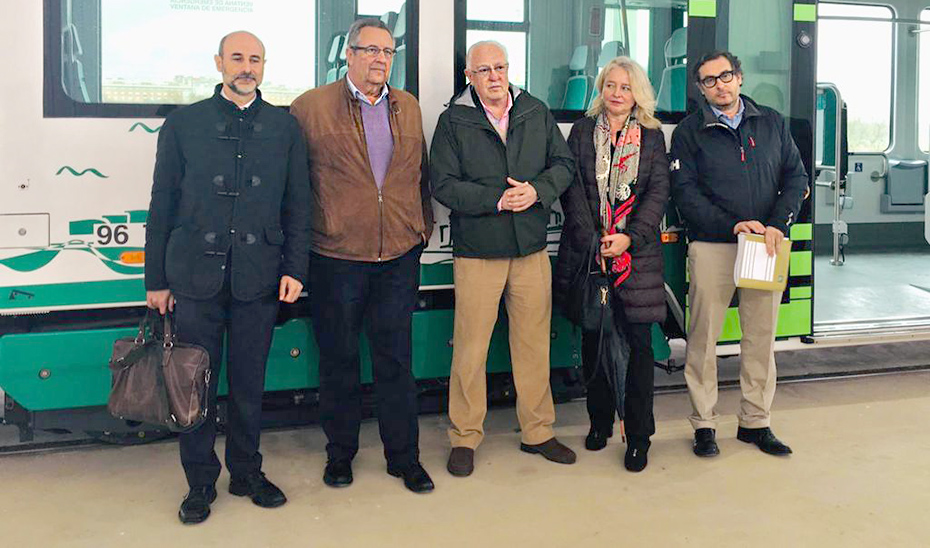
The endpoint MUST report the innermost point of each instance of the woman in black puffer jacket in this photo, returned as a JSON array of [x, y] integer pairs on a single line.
[[619, 192]]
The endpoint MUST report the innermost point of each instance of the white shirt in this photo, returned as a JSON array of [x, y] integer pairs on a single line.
[[362, 97], [242, 107]]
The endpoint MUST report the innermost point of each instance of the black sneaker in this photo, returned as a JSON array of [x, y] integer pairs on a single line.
[[196, 505], [705, 444], [262, 492]]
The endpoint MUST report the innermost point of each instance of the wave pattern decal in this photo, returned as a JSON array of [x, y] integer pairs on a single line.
[[143, 126], [79, 174]]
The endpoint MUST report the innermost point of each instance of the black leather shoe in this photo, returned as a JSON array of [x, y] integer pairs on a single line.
[[262, 492], [461, 462], [635, 459], [704, 443], [552, 450], [764, 439], [338, 473], [415, 478], [596, 439], [196, 505]]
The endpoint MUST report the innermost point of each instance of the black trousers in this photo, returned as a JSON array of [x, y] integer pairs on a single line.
[[344, 297], [638, 418], [248, 327]]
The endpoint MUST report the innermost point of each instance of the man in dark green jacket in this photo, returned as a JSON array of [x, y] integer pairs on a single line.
[[499, 162]]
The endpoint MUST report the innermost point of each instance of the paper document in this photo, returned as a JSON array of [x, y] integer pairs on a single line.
[[755, 269]]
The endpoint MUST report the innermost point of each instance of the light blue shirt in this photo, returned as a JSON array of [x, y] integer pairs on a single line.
[[735, 120], [361, 96]]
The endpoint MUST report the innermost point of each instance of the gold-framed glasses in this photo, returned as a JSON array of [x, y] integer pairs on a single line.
[[485, 71], [374, 51]]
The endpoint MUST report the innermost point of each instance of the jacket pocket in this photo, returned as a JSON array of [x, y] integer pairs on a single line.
[[274, 235]]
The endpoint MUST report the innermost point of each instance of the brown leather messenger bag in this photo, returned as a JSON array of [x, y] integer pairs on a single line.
[[158, 380]]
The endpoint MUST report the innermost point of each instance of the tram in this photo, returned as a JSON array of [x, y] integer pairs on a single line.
[[92, 80]]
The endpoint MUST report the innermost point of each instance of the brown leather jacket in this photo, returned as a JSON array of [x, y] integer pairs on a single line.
[[351, 219]]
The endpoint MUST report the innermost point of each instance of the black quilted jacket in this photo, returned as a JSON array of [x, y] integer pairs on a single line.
[[642, 294]]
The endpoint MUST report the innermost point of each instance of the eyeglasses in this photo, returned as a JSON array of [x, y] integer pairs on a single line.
[[373, 51], [485, 72], [711, 81]]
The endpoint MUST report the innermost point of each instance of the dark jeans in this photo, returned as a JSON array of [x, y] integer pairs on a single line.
[[344, 296], [248, 327], [637, 406]]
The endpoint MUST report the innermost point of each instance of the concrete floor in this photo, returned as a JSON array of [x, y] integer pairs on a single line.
[[860, 476]]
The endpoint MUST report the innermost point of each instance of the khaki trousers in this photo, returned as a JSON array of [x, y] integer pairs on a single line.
[[710, 293], [526, 285]]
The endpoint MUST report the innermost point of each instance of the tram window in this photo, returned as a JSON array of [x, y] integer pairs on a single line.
[[760, 35], [112, 58], [557, 60], [856, 56], [377, 8], [923, 93]]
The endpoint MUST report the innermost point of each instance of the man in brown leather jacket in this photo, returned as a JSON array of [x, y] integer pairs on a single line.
[[372, 215]]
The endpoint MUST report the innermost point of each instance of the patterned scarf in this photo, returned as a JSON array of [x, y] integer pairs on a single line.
[[615, 179]]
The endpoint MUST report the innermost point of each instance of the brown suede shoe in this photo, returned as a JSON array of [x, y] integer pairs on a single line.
[[551, 450], [461, 462]]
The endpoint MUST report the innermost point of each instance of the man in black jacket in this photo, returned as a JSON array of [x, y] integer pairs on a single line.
[[735, 169], [227, 238], [499, 162]]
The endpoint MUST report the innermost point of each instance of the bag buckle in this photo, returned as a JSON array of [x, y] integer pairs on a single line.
[[603, 296]]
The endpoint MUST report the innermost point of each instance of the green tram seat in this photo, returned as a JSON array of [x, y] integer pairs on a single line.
[[673, 88], [398, 78], [578, 87], [609, 51]]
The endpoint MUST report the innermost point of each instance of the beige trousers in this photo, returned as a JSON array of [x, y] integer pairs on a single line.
[[526, 286], [711, 290]]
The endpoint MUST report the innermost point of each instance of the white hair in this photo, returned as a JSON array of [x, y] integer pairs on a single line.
[[476, 45]]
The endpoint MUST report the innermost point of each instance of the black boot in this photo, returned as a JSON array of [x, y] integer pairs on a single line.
[[597, 439], [636, 451]]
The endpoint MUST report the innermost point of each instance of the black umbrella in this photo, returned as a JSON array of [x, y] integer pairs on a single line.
[[613, 350]]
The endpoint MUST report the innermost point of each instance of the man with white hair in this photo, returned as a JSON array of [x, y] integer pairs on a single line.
[[499, 162]]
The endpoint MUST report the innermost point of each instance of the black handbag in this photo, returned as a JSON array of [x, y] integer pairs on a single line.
[[589, 295], [158, 380]]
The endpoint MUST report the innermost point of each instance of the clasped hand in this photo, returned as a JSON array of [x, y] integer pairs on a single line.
[[519, 197], [613, 245]]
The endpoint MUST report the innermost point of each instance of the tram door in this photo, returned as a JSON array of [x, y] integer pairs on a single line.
[[871, 257]]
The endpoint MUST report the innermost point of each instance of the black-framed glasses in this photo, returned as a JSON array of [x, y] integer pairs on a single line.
[[374, 51], [485, 72], [710, 81]]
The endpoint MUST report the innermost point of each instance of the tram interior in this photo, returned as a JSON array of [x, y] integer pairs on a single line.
[[876, 277]]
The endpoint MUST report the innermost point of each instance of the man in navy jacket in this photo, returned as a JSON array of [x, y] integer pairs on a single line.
[[227, 237], [735, 169]]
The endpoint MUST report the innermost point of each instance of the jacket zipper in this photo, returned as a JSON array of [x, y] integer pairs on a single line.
[[380, 224]]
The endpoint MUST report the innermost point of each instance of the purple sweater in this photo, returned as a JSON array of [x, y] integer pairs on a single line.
[[377, 124]]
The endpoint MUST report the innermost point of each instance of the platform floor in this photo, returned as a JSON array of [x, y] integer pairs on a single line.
[[860, 476]]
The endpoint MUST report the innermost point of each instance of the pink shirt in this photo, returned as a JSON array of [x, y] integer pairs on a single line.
[[500, 124]]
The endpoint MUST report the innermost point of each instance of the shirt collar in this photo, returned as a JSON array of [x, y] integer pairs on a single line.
[[738, 116], [361, 96], [243, 107], [506, 114]]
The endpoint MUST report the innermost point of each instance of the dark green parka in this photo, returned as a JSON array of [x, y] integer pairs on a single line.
[[470, 163]]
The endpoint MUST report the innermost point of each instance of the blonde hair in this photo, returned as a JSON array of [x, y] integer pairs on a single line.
[[643, 94]]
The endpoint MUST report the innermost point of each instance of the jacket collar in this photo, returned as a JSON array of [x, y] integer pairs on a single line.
[[232, 109], [466, 107], [350, 95], [710, 119]]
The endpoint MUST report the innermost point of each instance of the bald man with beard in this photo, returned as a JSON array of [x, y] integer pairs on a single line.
[[226, 240]]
